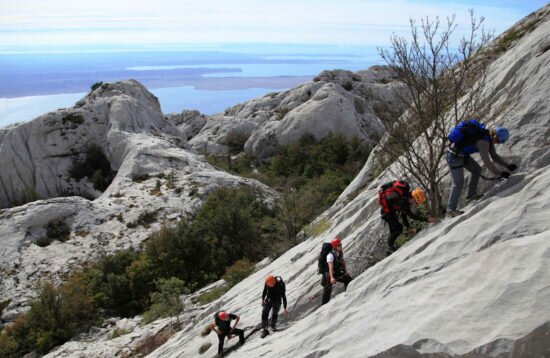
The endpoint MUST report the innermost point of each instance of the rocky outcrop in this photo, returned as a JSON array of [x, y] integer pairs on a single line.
[[475, 284], [472, 284], [157, 181], [338, 102]]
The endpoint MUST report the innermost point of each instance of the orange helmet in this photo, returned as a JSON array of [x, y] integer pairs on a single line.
[[270, 281], [223, 315], [336, 242], [418, 196]]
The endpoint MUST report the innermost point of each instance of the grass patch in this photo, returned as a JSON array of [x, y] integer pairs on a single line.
[[317, 228], [118, 332], [212, 295]]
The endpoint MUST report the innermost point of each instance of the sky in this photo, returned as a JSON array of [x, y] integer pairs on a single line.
[[57, 25]]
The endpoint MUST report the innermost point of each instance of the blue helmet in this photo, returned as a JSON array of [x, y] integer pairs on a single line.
[[502, 134]]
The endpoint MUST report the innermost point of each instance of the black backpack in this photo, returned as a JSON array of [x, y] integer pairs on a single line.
[[322, 262]]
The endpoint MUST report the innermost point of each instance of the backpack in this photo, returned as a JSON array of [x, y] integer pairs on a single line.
[[392, 190], [322, 262], [466, 133]]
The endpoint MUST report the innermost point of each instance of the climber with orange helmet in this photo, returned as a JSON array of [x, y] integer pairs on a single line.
[[396, 200], [222, 326], [335, 271], [274, 292]]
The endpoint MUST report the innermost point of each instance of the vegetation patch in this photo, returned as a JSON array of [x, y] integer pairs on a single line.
[[96, 86], [212, 295], [144, 219], [138, 178], [235, 141], [118, 332], [27, 196], [73, 118], [205, 347], [281, 112], [317, 228], [95, 166]]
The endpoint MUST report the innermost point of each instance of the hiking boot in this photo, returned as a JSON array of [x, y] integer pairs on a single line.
[[265, 332], [474, 197], [273, 328], [453, 213]]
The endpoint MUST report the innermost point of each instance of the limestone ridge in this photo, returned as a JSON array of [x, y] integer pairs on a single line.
[[472, 284], [124, 121], [338, 102]]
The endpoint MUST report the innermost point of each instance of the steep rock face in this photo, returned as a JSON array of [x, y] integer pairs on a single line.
[[334, 102], [462, 285], [157, 181]]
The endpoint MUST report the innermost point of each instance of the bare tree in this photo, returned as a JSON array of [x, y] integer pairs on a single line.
[[443, 85]]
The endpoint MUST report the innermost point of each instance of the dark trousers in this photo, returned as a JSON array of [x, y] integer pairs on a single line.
[[395, 228], [221, 338], [327, 286], [269, 305]]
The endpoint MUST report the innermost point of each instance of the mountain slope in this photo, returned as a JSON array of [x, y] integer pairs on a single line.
[[464, 282]]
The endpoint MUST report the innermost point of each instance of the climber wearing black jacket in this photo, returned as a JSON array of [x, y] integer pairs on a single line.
[[274, 292], [396, 200]]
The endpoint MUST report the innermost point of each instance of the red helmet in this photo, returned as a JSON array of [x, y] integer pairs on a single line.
[[336, 242], [270, 281], [223, 315]]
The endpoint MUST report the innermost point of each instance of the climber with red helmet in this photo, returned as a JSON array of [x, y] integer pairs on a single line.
[[396, 200], [222, 326], [274, 292], [335, 271]]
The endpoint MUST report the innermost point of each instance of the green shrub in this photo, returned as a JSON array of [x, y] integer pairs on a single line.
[[212, 295], [235, 141], [73, 118], [281, 112], [118, 332], [165, 302], [43, 241], [237, 272], [58, 230], [96, 86]]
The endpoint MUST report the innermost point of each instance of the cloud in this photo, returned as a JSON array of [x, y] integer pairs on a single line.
[[33, 22]]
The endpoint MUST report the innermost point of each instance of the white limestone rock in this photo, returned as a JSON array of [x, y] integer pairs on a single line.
[[474, 283], [338, 102], [125, 121]]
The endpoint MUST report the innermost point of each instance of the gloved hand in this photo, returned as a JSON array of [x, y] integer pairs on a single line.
[[505, 175], [512, 167]]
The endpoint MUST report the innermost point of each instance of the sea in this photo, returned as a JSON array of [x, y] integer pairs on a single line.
[[205, 79]]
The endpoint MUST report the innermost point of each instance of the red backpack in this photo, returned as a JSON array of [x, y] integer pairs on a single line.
[[392, 190]]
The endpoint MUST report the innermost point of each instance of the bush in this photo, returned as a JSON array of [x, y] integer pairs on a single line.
[[166, 302], [76, 119], [237, 272], [58, 230], [235, 141], [96, 86], [212, 295], [117, 332]]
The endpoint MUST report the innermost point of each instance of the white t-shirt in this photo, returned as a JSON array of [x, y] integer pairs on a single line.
[[330, 257]]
